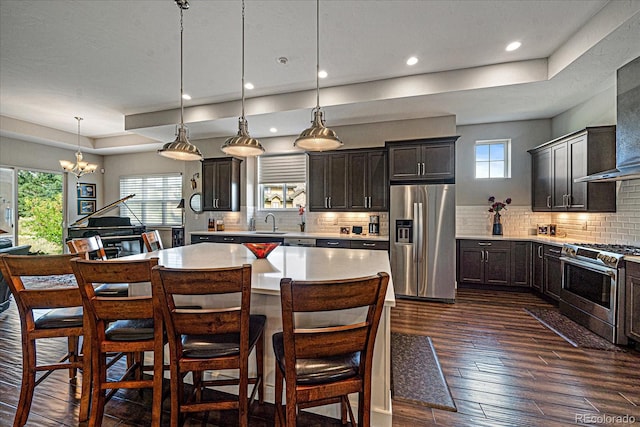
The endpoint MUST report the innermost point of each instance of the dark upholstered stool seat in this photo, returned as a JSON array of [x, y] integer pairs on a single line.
[[130, 330], [220, 345], [112, 290], [318, 371], [68, 317]]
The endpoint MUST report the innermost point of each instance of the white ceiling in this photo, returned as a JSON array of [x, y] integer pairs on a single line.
[[116, 63]]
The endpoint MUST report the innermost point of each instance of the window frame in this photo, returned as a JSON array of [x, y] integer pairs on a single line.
[[285, 184], [171, 214], [506, 170]]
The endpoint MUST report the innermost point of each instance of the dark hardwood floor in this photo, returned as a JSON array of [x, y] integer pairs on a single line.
[[502, 366]]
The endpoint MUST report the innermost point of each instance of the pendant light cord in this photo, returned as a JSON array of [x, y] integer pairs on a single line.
[[243, 59], [181, 72], [318, 55]]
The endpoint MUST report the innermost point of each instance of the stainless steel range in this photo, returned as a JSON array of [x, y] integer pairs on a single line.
[[593, 287]]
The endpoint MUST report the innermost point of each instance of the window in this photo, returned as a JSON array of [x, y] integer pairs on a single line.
[[281, 181], [156, 199], [493, 158]]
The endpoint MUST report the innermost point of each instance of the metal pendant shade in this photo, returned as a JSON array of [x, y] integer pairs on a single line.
[[242, 145], [318, 137], [181, 148]]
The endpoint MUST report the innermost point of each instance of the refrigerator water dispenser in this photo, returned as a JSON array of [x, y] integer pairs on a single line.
[[404, 231]]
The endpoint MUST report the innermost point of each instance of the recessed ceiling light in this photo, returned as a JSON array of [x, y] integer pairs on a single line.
[[412, 61], [186, 96], [273, 130], [513, 46], [248, 85], [322, 74]]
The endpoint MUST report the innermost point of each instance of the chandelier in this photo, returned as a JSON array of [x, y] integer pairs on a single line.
[[318, 137], [80, 167], [181, 148]]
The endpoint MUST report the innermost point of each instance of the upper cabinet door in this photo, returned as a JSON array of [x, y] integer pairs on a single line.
[[541, 181], [327, 182], [368, 183], [221, 184], [359, 181], [337, 182], [426, 160], [378, 181], [574, 156]]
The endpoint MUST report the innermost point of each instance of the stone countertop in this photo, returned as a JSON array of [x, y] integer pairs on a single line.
[[632, 258], [293, 235], [548, 240]]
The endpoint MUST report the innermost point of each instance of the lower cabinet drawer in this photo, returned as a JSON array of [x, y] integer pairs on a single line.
[[333, 243], [373, 245]]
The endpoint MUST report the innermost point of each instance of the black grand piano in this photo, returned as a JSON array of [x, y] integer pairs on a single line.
[[119, 237]]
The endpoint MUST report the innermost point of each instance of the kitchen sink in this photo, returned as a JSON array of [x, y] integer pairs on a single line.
[[270, 232]]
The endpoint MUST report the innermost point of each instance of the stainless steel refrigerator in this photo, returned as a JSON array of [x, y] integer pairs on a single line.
[[423, 241]]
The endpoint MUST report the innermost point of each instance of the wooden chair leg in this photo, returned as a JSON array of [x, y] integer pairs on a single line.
[[98, 395], [278, 397], [85, 399], [292, 404], [72, 350], [28, 383], [260, 367], [158, 365]]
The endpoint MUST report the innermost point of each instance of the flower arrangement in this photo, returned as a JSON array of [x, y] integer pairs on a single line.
[[498, 206]]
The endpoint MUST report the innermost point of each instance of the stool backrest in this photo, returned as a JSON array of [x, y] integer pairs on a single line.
[[92, 246], [102, 309], [16, 269], [152, 241], [231, 317], [340, 333]]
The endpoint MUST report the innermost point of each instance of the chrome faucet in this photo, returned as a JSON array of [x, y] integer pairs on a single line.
[[266, 219]]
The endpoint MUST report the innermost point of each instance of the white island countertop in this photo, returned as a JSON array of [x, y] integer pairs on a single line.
[[297, 263]]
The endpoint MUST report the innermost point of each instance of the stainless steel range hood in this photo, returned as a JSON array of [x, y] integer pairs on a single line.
[[627, 128]]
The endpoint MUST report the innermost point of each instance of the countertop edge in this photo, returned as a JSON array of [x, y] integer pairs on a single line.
[[292, 234]]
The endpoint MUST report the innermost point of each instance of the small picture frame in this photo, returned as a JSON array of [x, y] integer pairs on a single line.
[[86, 207], [344, 230], [86, 191]]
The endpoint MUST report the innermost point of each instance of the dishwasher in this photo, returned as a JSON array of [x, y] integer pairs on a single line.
[[291, 241]]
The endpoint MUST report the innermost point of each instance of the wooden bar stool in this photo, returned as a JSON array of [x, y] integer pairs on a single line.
[[323, 353], [121, 325], [152, 241], [64, 319], [92, 246], [210, 338]]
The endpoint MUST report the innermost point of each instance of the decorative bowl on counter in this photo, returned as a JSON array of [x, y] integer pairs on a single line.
[[261, 250]]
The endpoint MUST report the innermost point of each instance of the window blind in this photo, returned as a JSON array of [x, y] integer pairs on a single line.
[[156, 198], [282, 169]]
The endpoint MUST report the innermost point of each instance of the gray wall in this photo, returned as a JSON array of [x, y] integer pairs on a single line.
[[598, 110], [524, 135]]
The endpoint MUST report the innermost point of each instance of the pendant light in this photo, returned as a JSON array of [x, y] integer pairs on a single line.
[[318, 137], [242, 144], [181, 148], [80, 167]]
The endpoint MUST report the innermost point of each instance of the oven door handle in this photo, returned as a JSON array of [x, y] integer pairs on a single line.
[[592, 267]]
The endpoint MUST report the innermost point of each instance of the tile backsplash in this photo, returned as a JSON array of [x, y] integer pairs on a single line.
[[315, 222], [622, 227]]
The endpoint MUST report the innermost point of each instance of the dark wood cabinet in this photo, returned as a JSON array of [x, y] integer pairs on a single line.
[[368, 181], [327, 182], [558, 163], [537, 276], [221, 184], [348, 180], [520, 263], [484, 262], [541, 180], [632, 298], [226, 238], [424, 160], [552, 283]]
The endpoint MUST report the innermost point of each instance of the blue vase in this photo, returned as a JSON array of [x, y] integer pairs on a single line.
[[497, 226]]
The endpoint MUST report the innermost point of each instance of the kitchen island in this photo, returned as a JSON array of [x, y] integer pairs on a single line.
[[298, 263]]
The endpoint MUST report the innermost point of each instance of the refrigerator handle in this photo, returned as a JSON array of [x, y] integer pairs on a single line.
[[416, 233], [419, 219]]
